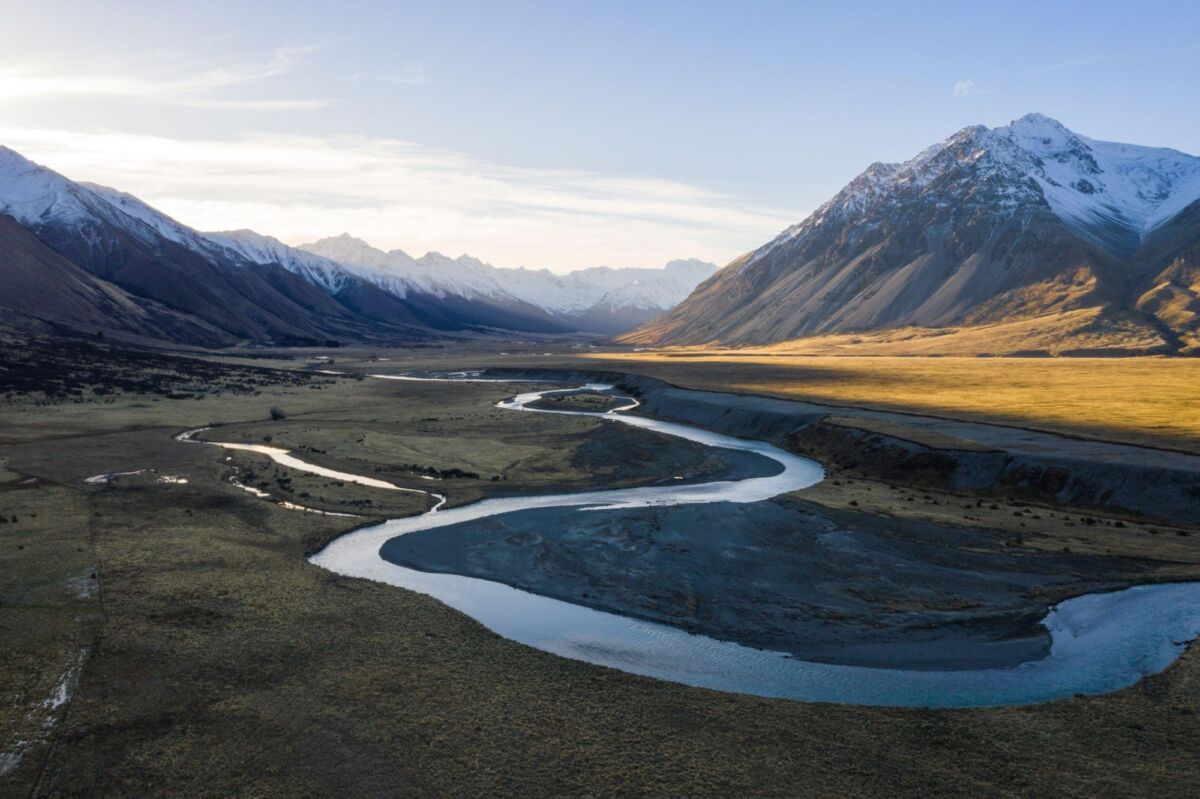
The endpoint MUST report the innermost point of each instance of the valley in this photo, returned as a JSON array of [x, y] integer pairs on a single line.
[[556, 400], [187, 573]]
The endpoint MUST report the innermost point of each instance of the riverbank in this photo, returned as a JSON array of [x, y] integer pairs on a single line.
[[628, 551], [788, 576], [227, 665]]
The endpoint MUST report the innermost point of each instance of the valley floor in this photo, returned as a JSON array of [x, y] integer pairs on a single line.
[[170, 637], [1150, 401]]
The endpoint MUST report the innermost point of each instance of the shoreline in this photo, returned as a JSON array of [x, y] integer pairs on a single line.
[[392, 534]]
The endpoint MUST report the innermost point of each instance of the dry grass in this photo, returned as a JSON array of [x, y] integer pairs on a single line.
[[1149, 401], [228, 665], [1085, 331]]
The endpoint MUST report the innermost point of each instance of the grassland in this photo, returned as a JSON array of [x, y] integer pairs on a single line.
[[1084, 331], [217, 661], [1149, 401]]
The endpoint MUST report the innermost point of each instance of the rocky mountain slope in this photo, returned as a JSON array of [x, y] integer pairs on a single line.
[[992, 226], [43, 290], [358, 285], [244, 286], [124, 242]]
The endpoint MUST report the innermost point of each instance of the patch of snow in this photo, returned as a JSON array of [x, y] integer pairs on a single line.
[[261, 249], [1086, 179]]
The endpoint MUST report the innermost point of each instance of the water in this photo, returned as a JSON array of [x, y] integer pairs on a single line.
[[285, 457], [1099, 642]]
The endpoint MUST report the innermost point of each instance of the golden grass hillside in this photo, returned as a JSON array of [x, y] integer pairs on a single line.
[[1150, 401], [1084, 331]]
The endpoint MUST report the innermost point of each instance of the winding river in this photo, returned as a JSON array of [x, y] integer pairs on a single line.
[[1099, 642]]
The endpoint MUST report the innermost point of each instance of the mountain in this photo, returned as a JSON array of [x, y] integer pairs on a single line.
[[218, 289], [990, 227], [599, 300], [358, 293], [603, 299], [462, 286], [121, 240], [42, 289]]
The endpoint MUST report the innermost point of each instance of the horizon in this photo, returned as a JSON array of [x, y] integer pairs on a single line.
[[608, 145]]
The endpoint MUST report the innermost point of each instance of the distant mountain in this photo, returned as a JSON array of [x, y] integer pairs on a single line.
[[991, 226], [378, 297], [599, 300], [460, 285], [216, 289]]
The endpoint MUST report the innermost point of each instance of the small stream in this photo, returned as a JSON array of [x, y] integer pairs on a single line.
[[1099, 642]]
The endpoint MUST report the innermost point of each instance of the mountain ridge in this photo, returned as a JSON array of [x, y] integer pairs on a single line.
[[981, 228], [599, 299], [245, 286]]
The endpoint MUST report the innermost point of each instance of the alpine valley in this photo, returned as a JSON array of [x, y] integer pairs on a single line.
[[1022, 239], [93, 259]]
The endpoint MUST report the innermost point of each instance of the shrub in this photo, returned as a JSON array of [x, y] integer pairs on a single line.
[[277, 413]]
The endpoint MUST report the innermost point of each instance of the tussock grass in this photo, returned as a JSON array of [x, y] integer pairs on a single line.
[[1148, 401]]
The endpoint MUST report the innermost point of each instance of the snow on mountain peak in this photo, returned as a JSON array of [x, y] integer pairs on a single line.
[[466, 276], [1111, 192], [261, 249], [33, 194], [1089, 182], [41, 199]]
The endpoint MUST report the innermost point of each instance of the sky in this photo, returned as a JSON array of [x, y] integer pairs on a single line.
[[559, 134]]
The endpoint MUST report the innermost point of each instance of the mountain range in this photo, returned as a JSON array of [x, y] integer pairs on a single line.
[[88, 257], [1029, 231], [600, 299]]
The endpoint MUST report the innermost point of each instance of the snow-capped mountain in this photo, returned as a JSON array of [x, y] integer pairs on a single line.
[[432, 273], [600, 299], [576, 292], [147, 254], [260, 249], [40, 198], [1102, 189], [241, 285], [987, 226]]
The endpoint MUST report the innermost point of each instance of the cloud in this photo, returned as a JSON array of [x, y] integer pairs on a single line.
[[1074, 62], [35, 81], [257, 105], [408, 75], [964, 88], [398, 194]]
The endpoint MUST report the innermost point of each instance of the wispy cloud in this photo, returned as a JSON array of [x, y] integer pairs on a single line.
[[965, 88], [398, 194], [256, 105], [36, 81], [1072, 63]]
